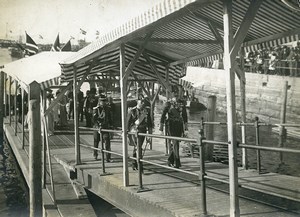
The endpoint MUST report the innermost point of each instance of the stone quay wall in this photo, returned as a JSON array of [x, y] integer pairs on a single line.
[[264, 94]]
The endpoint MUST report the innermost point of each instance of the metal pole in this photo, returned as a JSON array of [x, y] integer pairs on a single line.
[[123, 86], [167, 141], [258, 166], [35, 161], [44, 171], [102, 151], [202, 171], [5, 94], [138, 156], [231, 109]]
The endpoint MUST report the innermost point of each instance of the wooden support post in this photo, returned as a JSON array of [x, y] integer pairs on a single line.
[[243, 109], [76, 119], [5, 94], [44, 160], [123, 83], [282, 130], [23, 118], [167, 141], [1, 102], [15, 108], [35, 141], [231, 109], [211, 116], [9, 101]]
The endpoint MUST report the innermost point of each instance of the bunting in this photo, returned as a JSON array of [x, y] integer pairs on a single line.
[[31, 47], [67, 46], [56, 45]]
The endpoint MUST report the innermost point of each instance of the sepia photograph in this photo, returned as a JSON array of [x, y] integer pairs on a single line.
[[161, 108]]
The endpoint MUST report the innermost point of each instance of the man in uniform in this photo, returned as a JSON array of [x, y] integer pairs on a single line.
[[174, 117], [139, 119], [102, 119]]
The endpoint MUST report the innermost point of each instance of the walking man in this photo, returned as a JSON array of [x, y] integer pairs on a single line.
[[102, 119]]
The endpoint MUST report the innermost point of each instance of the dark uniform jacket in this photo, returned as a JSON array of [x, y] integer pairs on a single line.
[[102, 117], [143, 115], [175, 118]]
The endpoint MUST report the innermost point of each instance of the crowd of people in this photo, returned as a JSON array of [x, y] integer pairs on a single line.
[[98, 111], [282, 60]]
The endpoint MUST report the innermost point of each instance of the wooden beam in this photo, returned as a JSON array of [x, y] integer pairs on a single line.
[[140, 84], [182, 41], [216, 33], [208, 20], [84, 76], [154, 69], [138, 54], [244, 27], [231, 110], [196, 57], [76, 119], [56, 100], [123, 83]]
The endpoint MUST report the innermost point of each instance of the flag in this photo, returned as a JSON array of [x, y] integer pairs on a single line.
[[41, 37], [67, 46], [97, 32], [82, 31], [56, 45], [31, 47]]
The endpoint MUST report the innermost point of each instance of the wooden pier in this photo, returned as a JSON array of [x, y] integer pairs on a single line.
[[166, 192]]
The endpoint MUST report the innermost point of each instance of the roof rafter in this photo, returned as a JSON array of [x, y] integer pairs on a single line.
[[184, 41]]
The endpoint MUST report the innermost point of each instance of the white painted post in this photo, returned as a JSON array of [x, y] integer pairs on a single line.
[[231, 110], [282, 130], [1, 101], [15, 109], [23, 119], [9, 101], [123, 87], [76, 119], [35, 144]]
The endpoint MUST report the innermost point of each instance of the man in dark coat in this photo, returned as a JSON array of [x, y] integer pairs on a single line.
[[139, 119], [174, 117], [102, 119]]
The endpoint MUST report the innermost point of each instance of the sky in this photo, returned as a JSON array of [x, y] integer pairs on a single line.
[[44, 19]]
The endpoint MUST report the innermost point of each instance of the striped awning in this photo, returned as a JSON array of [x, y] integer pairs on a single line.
[[185, 84], [182, 35], [43, 68]]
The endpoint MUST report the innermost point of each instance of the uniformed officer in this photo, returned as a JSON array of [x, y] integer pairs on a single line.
[[174, 117], [139, 119], [102, 119]]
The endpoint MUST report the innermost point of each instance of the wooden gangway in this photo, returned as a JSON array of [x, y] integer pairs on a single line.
[[166, 192]]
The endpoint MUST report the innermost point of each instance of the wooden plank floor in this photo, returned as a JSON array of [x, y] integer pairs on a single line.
[[178, 192], [175, 193]]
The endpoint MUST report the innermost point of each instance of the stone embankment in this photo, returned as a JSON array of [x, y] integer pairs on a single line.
[[264, 93]]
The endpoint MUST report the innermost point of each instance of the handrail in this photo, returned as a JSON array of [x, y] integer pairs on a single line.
[[265, 148]]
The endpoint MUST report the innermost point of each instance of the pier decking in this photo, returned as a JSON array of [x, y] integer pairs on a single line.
[[166, 192]]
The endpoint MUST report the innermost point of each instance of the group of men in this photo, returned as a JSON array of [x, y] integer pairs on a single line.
[[139, 119]]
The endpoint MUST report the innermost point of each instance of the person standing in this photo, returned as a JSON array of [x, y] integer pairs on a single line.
[[139, 119], [102, 119], [174, 117], [89, 103]]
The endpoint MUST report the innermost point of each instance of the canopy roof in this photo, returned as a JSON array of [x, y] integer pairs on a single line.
[[184, 32], [43, 68]]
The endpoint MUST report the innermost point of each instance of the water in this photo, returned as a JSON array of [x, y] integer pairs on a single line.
[[13, 192]]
